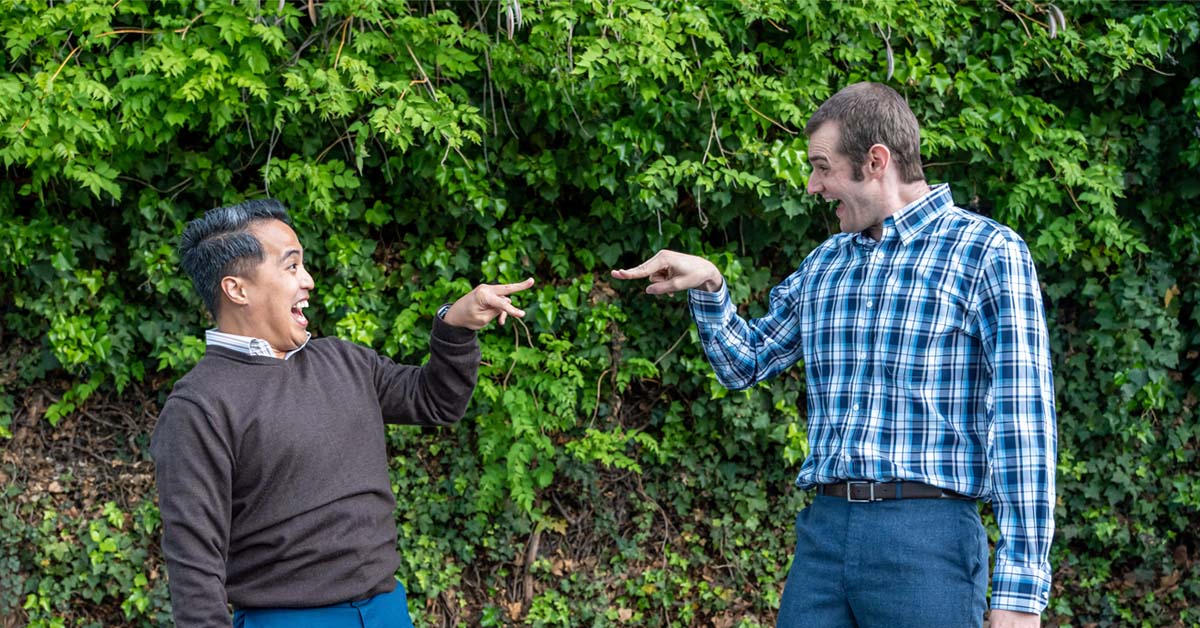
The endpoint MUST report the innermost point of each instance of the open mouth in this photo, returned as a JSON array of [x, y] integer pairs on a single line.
[[298, 313]]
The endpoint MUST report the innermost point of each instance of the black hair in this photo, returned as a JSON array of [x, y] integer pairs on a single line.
[[219, 244]]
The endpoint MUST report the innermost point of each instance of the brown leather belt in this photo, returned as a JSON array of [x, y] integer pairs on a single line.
[[864, 491]]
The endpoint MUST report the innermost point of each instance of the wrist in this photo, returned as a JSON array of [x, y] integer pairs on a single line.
[[714, 281], [450, 315]]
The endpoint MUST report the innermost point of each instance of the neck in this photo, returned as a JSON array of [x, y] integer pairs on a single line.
[[231, 325], [897, 198], [910, 192]]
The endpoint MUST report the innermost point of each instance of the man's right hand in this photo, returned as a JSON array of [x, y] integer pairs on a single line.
[[672, 272]]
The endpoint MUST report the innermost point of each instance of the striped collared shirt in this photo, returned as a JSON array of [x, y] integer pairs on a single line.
[[927, 359], [248, 345]]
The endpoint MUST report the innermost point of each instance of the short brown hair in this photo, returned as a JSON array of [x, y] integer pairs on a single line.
[[869, 114]]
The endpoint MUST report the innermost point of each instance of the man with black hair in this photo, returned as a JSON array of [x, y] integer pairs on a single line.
[[927, 366], [270, 453]]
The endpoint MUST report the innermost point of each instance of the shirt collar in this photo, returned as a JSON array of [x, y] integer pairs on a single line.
[[247, 344], [912, 218]]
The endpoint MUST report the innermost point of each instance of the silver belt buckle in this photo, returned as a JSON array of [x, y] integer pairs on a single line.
[[850, 492]]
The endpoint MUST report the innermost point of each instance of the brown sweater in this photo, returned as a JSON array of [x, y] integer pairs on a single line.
[[273, 478]]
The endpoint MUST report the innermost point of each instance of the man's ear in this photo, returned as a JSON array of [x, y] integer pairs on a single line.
[[234, 290], [878, 159]]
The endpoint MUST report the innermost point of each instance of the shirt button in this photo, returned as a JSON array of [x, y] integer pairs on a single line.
[[862, 355], [846, 457], [870, 304], [855, 408]]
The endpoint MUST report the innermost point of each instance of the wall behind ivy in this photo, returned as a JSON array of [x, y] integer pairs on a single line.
[[602, 476]]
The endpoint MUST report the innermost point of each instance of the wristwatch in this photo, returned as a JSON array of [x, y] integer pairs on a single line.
[[442, 311]]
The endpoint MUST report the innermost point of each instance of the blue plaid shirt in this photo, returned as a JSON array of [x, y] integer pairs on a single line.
[[927, 360]]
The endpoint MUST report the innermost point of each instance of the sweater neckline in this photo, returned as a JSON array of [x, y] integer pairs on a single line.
[[245, 358]]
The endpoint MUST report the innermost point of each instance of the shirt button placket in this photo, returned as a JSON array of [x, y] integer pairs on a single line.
[[864, 322]]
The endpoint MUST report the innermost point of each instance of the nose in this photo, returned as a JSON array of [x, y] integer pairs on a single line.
[[813, 187], [306, 280]]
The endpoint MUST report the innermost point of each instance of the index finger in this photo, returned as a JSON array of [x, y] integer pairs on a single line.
[[504, 305], [645, 269], [509, 288]]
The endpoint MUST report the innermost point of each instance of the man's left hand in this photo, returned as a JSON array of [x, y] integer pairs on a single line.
[[1013, 619], [486, 302]]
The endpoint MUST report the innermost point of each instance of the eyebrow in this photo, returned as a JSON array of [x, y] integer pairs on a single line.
[[816, 158], [288, 253]]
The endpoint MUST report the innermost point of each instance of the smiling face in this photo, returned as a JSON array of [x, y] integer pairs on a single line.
[[833, 177], [270, 301]]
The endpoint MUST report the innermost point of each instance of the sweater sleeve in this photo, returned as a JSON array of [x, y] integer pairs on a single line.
[[438, 392], [193, 470]]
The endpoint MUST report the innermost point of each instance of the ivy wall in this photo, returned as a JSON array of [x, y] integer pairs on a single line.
[[602, 477]]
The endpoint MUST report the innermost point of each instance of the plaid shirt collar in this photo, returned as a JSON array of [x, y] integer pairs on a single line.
[[910, 220]]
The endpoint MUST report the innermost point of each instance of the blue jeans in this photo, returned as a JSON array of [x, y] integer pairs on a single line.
[[386, 610], [916, 563]]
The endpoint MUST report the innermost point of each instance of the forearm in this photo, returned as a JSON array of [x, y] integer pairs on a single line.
[[449, 378], [743, 353], [1021, 459], [197, 594], [1025, 515], [713, 314], [195, 561], [438, 392]]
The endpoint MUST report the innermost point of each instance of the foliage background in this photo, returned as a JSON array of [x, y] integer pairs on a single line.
[[602, 477]]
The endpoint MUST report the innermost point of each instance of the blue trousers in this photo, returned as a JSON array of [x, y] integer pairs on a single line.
[[919, 563], [386, 610]]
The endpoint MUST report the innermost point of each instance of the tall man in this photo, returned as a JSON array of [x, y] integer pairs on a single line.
[[926, 355], [270, 453]]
